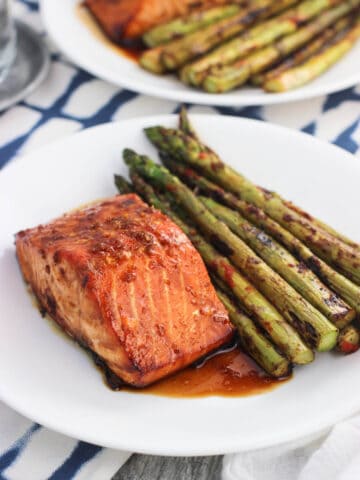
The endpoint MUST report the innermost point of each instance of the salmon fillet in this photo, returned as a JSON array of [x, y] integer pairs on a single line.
[[123, 280], [128, 19]]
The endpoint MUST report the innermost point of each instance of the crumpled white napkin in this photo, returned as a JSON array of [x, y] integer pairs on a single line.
[[335, 456]]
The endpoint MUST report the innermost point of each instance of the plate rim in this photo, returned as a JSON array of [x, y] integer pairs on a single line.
[[192, 96], [276, 439]]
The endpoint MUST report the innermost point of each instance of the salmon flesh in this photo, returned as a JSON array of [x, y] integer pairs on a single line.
[[124, 281]]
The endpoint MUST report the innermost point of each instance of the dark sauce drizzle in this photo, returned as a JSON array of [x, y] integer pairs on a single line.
[[226, 372]]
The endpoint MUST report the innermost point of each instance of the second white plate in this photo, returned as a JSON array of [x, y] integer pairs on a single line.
[[78, 41]]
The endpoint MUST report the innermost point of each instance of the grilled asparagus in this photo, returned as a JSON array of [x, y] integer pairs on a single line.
[[334, 280], [307, 51], [193, 152], [257, 37], [315, 66], [295, 272], [223, 78]]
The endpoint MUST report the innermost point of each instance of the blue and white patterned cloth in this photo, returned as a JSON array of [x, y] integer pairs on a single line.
[[69, 100]]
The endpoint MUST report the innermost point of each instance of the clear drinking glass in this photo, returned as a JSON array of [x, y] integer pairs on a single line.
[[7, 38]]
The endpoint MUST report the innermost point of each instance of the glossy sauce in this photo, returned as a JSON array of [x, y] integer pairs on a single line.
[[231, 374], [133, 52], [228, 373]]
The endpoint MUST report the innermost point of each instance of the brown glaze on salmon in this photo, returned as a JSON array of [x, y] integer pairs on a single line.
[[128, 19], [121, 278]]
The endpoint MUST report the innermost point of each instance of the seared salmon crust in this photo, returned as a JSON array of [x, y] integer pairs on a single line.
[[122, 279]]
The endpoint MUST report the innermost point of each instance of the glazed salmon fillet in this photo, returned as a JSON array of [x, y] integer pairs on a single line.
[[128, 19], [123, 280]]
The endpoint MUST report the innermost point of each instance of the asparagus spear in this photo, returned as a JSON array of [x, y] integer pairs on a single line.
[[309, 49], [122, 185], [183, 26], [178, 52], [185, 125], [254, 343], [349, 340], [334, 280], [277, 257], [224, 78], [282, 334], [315, 66], [317, 330], [191, 151], [316, 221], [257, 37]]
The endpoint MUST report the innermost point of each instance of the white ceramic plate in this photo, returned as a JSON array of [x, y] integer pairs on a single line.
[[74, 38], [52, 381]]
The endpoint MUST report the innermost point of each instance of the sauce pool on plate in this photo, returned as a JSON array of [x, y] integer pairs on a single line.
[[228, 372]]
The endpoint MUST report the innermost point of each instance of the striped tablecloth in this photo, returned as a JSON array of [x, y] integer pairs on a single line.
[[69, 100]]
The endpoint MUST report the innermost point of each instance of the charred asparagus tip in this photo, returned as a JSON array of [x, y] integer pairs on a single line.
[[122, 184]]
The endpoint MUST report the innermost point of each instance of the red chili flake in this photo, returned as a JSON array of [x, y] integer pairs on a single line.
[[288, 218], [347, 347], [190, 173], [229, 275]]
